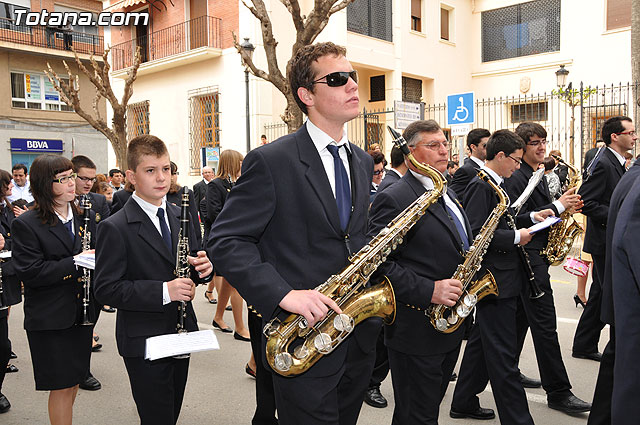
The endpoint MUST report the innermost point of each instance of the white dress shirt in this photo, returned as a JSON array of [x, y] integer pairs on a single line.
[[152, 212], [19, 192], [620, 157], [69, 217], [499, 180], [477, 161], [321, 139]]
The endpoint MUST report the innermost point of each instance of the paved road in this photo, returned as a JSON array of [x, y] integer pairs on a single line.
[[219, 391]]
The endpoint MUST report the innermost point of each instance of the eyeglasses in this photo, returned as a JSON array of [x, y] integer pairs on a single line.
[[378, 172], [434, 146], [65, 179], [518, 161], [338, 79], [537, 142], [630, 133], [88, 179]]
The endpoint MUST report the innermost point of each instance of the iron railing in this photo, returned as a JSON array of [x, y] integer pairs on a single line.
[[50, 37], [204, 31]]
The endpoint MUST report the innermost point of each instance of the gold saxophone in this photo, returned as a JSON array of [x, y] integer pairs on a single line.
[[448, 319], [293, 347], [563, 233]]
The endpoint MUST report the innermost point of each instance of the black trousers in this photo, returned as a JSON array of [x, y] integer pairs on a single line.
[[540, 316], [491, 354], [265, 398], [601, 407], [5, 348], [158, 388], [588, 331], [419, 384], [381, 366], [328, 400]]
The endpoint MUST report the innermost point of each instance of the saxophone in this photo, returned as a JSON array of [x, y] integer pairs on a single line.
[[563, 233], [448, 319], [85, 204], [292, 346]]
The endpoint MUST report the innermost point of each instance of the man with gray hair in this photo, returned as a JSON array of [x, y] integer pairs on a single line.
[[200, 189]]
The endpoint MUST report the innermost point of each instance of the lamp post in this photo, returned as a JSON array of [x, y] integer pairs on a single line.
[[561, 82], [248, 48]]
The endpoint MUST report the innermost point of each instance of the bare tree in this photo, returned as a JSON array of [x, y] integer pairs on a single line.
[[99, 77], [307, 28]]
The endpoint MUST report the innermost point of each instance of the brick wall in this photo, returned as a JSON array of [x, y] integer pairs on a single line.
[[227, 10]]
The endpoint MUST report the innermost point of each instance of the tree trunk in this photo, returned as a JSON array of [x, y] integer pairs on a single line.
[[635, 42]]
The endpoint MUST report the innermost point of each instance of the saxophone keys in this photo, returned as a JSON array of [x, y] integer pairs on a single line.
[[322, 343], [283, 362], [301, 351], [441, 324], [343, 323], [453, 318]]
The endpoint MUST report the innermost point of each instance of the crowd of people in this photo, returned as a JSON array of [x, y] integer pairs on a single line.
[[269, 228]]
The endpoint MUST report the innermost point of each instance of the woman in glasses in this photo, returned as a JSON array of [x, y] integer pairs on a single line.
[[45, 241]]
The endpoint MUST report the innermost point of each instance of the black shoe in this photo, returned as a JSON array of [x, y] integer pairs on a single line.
[[239, 337], [579, 301], [90, 383], [217, 326], [228, 308], [453, 378], [589, 356], [11, 368], [13, 355], [480, 413], [211, 300], [4, 404], [374, 398], [108, 309], [96, 338], [568, 404], [529, 382], [96, 347], [249, 371]]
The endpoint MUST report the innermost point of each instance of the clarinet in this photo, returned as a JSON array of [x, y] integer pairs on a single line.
[[534, 289], [85, 204], [3, 306], [182, 265]]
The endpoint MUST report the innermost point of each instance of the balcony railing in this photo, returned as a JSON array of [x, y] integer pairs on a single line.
[[50, 37], [204, 31]]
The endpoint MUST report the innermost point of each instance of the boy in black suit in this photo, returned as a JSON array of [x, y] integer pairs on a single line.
[[135, 263], [493, 339], [477, 144]]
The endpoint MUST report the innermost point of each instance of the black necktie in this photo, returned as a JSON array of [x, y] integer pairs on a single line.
[[166, 233], [70, 229], [343, 191]]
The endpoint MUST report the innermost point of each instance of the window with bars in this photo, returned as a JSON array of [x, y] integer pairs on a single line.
[[618, 14], [520, 30], [538, 111], [204, 122], [376, 88], [137, 119], [370, 17], [31, 90], [411, 90]]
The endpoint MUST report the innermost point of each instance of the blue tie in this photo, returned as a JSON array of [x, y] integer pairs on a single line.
[[70, 229], [459, 227], [166, 233], [343, 192]]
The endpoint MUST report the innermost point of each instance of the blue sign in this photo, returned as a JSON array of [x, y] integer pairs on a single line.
[[36, 145], [460, 109]]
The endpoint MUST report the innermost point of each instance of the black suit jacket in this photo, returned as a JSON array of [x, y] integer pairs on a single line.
[[132, 262], [199, 193], [596, 194], [431, 251], [176, 199], [390, 178], [502, 258], [119, 199], [617, 198], [43, 259], [11, 290], [540, 199], [463, 176], [99, 205], [279, 229], [217, 191]]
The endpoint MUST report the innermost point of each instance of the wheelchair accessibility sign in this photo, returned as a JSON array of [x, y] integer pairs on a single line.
[[460, 109]]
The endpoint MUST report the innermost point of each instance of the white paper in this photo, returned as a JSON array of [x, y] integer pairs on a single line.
[[550, 221], [88, 261], [5, 254], [162, 346]]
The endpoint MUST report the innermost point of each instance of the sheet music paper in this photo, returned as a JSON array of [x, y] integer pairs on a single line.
[[159, 347], [5, 254], [550, 221], [88, 261]]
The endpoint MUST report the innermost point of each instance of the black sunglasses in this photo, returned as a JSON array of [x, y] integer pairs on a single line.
[[337, 79]]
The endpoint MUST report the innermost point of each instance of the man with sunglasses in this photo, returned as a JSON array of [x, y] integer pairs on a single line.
[[606, 170], [292, 220], [540, 314]]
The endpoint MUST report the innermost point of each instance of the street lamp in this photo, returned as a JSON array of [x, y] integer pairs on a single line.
[[561, 81], [248, 48]]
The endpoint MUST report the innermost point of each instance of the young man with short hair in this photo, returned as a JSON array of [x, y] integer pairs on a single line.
[[116, 179], [21, 187], [477, 144], [305, 196], [398, 169], [135, 264]]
